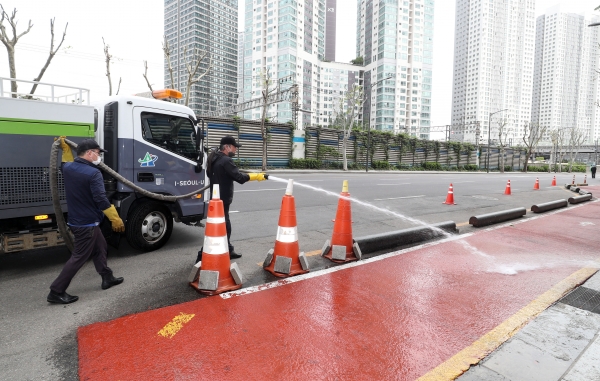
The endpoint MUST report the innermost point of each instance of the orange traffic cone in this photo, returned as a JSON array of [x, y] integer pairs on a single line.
[[217, 274], [573, 183], [554, 181], [536, 186], [507, 190], [285, 259], [450, 196], [585, 179], [341, 249]]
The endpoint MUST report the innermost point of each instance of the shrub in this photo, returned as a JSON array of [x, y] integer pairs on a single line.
[[578, 168], [431, 166], [537, 168], [470, 167], [305, 164], [380, 164], [508, 168]]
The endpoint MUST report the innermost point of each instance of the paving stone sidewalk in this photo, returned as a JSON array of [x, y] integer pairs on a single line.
[[562, 343]]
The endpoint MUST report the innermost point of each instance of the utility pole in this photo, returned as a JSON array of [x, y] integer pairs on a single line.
[[477, 134]]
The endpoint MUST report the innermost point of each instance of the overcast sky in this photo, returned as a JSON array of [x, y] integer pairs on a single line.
[[134, 29]]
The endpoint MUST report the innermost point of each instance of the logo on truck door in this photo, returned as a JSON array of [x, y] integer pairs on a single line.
[[148, 160]]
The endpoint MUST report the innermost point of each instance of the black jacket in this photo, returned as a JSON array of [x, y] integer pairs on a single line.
[[84, 188], [223, 171]]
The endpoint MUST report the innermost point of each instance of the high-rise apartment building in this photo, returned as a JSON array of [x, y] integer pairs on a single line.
[[210, 26], [565, 81], [295, 39], [493, 66], [395, 40]]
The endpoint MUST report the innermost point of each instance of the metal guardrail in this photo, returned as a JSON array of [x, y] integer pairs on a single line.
[[49, 92]]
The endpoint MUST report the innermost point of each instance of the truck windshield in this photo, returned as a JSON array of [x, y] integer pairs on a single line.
[[170, 132]]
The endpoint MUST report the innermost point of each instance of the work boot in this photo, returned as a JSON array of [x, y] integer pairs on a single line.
[[234, 255], [62, 298], [109, 280], [199, 257]]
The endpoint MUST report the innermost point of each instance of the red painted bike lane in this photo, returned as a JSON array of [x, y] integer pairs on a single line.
[[393, 317]]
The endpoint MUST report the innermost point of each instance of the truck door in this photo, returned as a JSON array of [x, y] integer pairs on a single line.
[[164, 155]]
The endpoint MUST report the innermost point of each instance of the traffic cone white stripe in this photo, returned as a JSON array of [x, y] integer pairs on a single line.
[[215, 245], [287, 234], [215, 220]]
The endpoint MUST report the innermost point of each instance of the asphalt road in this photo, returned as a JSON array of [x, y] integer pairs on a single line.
[[38, 341]]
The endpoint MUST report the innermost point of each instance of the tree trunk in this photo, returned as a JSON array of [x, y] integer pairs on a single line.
[[344, 144], [12, 70], [263, 131], [501, 159]]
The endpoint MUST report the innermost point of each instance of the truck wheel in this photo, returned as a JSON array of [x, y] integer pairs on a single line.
[[149, 226]]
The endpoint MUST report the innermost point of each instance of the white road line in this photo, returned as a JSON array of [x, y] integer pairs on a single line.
[[461, 182], [397, 198], [396, 184], [305, 181], [258, 190], [234, 211]]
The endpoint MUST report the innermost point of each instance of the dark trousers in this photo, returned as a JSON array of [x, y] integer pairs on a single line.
[[593, 169], [89, 242], [227, 226]]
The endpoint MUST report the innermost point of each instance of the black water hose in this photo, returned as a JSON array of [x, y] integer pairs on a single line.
[[60, 220]]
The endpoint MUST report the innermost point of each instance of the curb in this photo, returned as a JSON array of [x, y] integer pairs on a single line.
[[492, 218]]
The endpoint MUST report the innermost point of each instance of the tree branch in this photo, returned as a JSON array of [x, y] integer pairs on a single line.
[[119, 88], [108, 58], [50, 55], [146, 75], [167, 53]]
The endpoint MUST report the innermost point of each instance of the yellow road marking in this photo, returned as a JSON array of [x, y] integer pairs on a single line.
[[309, 254], [460, 362], [175, 325]]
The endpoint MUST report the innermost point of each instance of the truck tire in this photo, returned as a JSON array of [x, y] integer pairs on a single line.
[[149, 226]]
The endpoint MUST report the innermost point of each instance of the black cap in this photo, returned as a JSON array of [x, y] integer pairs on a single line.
[[86, 145], [228, 139]]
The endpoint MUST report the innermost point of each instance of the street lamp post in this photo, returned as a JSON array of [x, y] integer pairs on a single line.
[[369, 132], [490, 138]]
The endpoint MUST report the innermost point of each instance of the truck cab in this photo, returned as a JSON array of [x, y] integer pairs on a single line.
[[157, 145]]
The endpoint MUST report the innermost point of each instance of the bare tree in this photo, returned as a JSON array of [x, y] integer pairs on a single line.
[[146, 75], [10, 43], [167, 52], [51, 54], [266, 82], [192, 66], [346, 113], [108, 58], [532, 134], [554, 138], [503, 132], [577, 136]]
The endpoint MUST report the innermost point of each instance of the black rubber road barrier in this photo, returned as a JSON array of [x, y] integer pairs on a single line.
[[492, 218], [540, 208], [578, 199], [392, 240]]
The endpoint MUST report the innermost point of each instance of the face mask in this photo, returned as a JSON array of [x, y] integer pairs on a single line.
[[231, 154], [98, 160]]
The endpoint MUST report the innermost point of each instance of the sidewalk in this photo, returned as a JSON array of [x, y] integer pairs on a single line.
[[562, 343]]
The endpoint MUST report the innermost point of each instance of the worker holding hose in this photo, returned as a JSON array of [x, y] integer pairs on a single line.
[[221, 170], [87, 203]]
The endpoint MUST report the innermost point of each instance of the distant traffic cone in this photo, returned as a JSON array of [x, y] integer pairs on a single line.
[[285, 259], [536, 186], [341, 248], [585, 179], [573, 183], [450, 196], [217, 274], [554, 181], [507, 190]]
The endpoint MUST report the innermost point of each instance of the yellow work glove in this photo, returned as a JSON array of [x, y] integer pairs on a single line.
[[67, 155], [258, 176], [116, 221]]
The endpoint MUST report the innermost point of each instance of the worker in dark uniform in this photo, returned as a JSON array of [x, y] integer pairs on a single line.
[[87, 203], [221, 170], [593, 169]]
